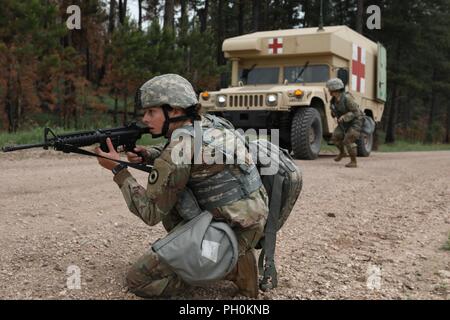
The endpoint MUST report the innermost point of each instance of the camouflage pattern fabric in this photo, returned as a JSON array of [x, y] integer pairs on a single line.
[[335, 84], [157, 203], [170, 89], [346, 134], [149, 277]]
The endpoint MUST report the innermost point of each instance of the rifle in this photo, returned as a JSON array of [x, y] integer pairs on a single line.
[[335, 113], [124, 137]]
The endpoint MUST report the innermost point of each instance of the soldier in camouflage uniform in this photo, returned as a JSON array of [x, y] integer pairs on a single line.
[[169, 102], [350, 120]]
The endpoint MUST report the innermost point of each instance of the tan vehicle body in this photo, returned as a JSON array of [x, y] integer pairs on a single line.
[[333, 46]]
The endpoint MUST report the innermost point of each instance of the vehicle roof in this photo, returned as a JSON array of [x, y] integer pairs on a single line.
[[331, 40]]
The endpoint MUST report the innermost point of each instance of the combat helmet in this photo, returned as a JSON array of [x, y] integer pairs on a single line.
[[335, 84], [168, 91]]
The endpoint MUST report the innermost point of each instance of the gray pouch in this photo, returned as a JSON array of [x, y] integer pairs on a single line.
[[368, 126], [199, 251]]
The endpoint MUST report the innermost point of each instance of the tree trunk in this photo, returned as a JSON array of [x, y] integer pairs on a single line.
[[184, 26], [122, 11], [429, 134], [390, 130], [305, 9], [265, 15], [9, 104], [447, 130], [169, 11], [125, 105], [220, 33], [140, 14], [18, 102], [241, 10], [203, 16], [393, 103], [360, 17], [116, 108], [256, 11], [112, 16], [184, 19], [88, 63], [341, 13]]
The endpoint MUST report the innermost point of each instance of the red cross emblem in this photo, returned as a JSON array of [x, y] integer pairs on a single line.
[[359, 69], [275, 45]]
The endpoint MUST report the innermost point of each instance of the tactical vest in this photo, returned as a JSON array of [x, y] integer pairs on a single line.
[[341, 107], [234, 183]]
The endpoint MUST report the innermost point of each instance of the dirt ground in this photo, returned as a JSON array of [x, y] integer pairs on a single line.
[[375, 232]]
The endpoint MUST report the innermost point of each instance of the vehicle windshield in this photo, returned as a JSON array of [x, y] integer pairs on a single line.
[[317, 73], [261, 76]]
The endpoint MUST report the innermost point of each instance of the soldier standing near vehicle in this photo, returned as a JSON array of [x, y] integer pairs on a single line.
[[350, 121], [170, 103]]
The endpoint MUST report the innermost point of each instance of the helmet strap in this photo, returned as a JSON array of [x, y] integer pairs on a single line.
[[191, 114]]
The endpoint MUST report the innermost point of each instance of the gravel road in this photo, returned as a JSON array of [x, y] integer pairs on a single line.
[[375, 232]]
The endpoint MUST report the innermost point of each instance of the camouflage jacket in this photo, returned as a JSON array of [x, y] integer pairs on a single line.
[[347, 108], [166, 182]]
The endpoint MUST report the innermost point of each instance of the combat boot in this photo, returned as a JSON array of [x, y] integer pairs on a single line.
[[352, 163], [245, 275], [341, 153]]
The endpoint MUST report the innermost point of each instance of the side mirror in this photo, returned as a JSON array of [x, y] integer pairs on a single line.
[[343, 75]]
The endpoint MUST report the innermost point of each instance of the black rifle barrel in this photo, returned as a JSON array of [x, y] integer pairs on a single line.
[[23, 146]]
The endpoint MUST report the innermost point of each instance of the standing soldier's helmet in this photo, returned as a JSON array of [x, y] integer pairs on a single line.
[[335, 84], [168, 89]]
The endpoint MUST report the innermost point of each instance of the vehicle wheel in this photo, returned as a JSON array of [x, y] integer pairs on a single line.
[[285, 131], [306, 134], [364, 145]]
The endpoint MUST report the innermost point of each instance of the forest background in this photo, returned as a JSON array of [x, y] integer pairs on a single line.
[[87, 78]]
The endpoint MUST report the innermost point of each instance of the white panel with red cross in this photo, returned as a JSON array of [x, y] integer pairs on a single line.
[[275, 45], [359, 69]]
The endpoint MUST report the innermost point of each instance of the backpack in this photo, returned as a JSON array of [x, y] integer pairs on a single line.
[[283, 189]]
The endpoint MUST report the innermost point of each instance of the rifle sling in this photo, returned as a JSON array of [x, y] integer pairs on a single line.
[[72, 149]]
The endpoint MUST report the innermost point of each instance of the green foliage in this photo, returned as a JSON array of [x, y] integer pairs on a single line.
[[53, 70], [446, 246], [402, 146]]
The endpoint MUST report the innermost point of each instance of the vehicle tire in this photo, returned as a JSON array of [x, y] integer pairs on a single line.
[[285, 131], [306, 134], [364, 145]]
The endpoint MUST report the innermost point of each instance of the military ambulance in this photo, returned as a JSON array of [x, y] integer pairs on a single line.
[[278, 82]]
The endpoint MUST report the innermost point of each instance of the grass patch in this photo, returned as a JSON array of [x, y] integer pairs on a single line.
[[325, 147], [398, 146], [403, 146], [446, 246]]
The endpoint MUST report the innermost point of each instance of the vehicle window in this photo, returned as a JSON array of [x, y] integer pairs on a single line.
[[261, 76], [316, 73]]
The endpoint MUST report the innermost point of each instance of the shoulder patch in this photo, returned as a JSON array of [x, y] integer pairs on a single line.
[[153, 176]]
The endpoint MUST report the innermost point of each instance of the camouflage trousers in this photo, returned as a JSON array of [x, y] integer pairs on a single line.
[[347, 138], [150, 277]]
